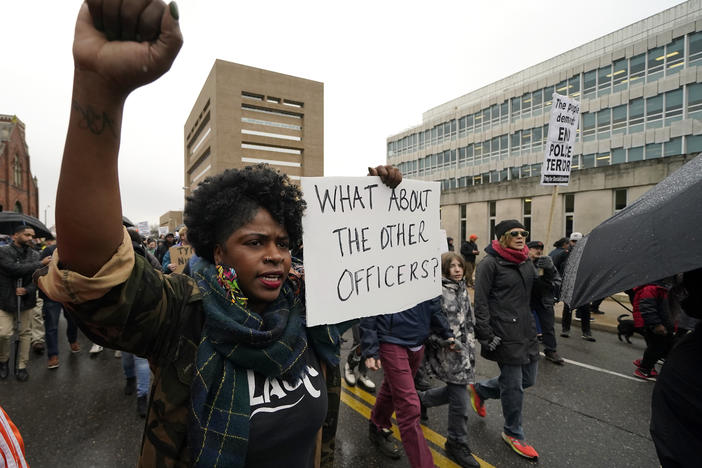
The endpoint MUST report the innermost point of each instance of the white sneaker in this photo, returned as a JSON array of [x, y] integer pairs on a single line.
[[349, 375], [118, 354], [364, 380], [95, 349]]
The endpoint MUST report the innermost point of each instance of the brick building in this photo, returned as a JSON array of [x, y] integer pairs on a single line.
[[18, 188]]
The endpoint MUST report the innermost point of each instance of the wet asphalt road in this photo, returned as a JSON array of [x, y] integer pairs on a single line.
[[77, 415]]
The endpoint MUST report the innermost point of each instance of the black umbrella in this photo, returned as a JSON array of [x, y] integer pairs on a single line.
[[657, 236], [9, 220]]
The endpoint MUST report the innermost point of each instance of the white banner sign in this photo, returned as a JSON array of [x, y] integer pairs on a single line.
[[565, 115], [369, 249], [162, 230], [143, 228]]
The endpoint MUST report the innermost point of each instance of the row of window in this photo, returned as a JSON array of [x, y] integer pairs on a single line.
[[637, 115], [585, 161], [649, 66]]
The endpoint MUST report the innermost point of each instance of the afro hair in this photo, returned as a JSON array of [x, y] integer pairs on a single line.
[[223, 203]]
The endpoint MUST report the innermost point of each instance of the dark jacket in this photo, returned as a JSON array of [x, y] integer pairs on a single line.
[[467, 249], [408, 328], [651, 306], [542, 293], [559, 257], [17, 263], [502, 308]]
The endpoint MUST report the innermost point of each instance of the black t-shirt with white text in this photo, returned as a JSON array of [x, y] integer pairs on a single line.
[[285, 417]]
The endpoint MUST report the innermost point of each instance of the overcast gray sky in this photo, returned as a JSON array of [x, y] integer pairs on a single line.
[[382, 63]]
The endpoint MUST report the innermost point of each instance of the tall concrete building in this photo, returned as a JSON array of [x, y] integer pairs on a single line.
[[245, 115], [641, 118]]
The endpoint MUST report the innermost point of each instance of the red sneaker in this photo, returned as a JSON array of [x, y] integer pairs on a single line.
[[637, 363], [476, 402], [521, 447], [642, 374]]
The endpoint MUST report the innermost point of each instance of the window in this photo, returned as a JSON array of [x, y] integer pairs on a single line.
[[495, 113], [514, 143], [464, 221], [653, 150], [694, 144], [675, 56], [17, 173], [575, 162], [548, 98], [469, 155], [504, 112], [504, 146], [603, 119], [604, 80], [569, 201], [486, 118], [589, 83], [537, 98], [526, 105], [526, 215], [469, 124], [516, 108], [478, 153], [525, 171], [18, 207], [452, 124], [478, 119], [492, 212], [618, 156], [562, 88], [673, 106], [603, 159], [656, 57], [588, 161], [654, 111], [619, 199], [636, 115], [673, 147], [526, 141], [694, 101], [537, 139], [619, 74], [574, 86], [636, 154], [695, 49], [514, 173], [637, 68], [619, 119], [588, 126], [536, 169]]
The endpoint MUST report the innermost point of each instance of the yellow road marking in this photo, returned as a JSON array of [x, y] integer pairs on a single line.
[[437, 439]]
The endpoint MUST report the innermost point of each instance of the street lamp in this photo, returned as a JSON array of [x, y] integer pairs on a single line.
[[45, 210]]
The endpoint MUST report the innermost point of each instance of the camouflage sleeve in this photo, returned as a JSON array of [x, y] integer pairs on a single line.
[[144, 314]]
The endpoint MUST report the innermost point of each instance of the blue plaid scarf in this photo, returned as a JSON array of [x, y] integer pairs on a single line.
[[235, 339]]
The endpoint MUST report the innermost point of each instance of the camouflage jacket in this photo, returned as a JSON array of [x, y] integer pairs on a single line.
[[447, 365], [159, 317]]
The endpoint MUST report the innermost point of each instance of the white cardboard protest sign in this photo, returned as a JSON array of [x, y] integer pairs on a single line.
[[558, 153], [162, 230], [369, 249], [143, 228]]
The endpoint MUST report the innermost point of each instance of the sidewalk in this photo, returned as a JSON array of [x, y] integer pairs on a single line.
[[603, 322]]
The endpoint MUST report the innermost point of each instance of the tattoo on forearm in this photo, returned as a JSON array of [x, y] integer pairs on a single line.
[[93, 121]]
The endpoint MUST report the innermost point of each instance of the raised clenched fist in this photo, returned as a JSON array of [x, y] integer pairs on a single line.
[[126, 43]]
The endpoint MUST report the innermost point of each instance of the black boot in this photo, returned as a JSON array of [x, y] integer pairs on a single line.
[[4, 370], [460, 453], [382, 438]]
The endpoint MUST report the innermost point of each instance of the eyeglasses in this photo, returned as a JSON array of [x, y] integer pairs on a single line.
[[524, 234]]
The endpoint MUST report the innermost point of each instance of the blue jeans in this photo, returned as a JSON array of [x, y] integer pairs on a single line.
[[457, 397], [509, 388], [132, 363], [52, 312]]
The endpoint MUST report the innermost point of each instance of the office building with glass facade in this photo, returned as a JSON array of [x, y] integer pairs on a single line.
[[640, 90]]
